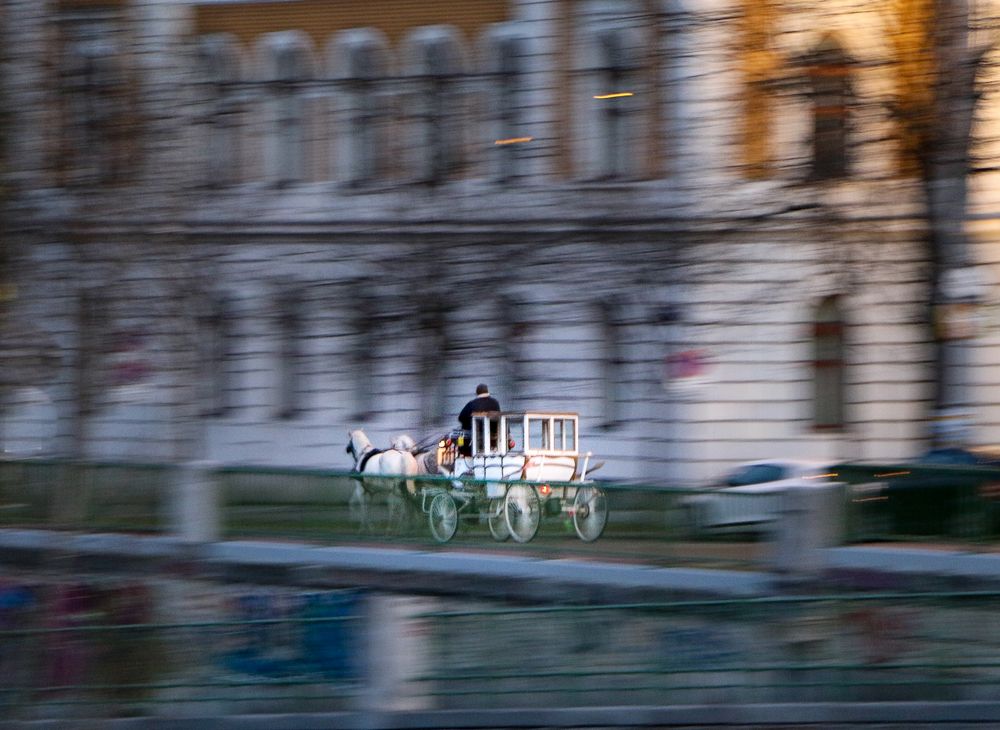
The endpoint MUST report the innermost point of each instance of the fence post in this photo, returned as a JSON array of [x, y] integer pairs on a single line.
[[195, 513], [397, 655], [810, 518]]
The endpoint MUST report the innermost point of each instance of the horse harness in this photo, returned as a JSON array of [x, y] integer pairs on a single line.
[[360, 467]]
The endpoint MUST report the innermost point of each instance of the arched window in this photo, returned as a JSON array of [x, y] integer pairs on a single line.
[[219, 72], [828, 364], [288, 70], [438, 105], [829, 78], [609, 134], [362, 142], [614, 108], [439, 88], [366, 118], [505, 50]]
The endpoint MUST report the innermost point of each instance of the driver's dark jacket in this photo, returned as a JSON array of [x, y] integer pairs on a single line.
[[481, 403]]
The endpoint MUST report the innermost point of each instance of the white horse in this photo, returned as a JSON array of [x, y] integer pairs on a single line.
[[426, 459], [393, 461], [385, 473]]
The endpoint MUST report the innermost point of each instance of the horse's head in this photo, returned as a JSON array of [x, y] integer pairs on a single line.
[[357, 443]]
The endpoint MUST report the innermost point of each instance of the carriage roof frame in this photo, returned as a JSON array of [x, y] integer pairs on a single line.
[[535, 433]]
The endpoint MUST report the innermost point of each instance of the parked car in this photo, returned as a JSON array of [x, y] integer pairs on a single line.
[[946, 492], [748, 497]]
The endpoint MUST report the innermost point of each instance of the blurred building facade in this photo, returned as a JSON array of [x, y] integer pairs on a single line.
[[234, 230]]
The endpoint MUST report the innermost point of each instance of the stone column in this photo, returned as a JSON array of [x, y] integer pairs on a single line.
[[194, 503], [811, 518]]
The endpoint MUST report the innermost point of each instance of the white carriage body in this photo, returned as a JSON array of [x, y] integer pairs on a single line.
[[529, 446], [519, 465]]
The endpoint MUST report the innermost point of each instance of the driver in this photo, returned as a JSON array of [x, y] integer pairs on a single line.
[[481, 403]]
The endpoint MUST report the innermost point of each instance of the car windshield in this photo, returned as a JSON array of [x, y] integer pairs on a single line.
[[949, 456], [755, 474]]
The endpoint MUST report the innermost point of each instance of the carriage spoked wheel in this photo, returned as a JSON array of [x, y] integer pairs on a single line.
[[590, 513], [498, 520], [522, 511], [443, 516]]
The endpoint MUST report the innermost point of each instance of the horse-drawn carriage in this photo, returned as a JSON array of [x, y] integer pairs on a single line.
[[511, 470]]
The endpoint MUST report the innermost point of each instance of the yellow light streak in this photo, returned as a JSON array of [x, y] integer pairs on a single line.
[[616, 95], [514, 140]]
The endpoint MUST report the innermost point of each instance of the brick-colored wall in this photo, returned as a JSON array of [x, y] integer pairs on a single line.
[[321, 19]]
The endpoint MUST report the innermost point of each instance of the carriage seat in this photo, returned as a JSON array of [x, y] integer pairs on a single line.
[[499, 468]]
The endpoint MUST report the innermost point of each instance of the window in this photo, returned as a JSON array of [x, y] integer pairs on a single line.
[[360, 60], [287, 64], [364, 122], [438, 105], [504, 102], [290, 355], [439, 82], [538, 431], [828, 347], [97, 103], [830, 88], [608, 134], [756, 474], [614, 108], [218, 67], [569, 434], [515, 434]]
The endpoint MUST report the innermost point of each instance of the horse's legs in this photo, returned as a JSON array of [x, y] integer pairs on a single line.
[[359, 508], [402, 507]]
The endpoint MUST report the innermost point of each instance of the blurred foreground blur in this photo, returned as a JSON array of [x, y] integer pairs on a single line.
[[266, 591]]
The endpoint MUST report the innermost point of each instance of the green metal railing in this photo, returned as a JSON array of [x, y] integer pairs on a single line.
[[245, 665], [320, 505], [89, 496], [941, 646], [781, 649], [885, 502]]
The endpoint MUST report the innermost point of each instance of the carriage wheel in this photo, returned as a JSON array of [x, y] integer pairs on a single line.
[[498, 520], [522, 511], [443, 516], [590, 513]]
